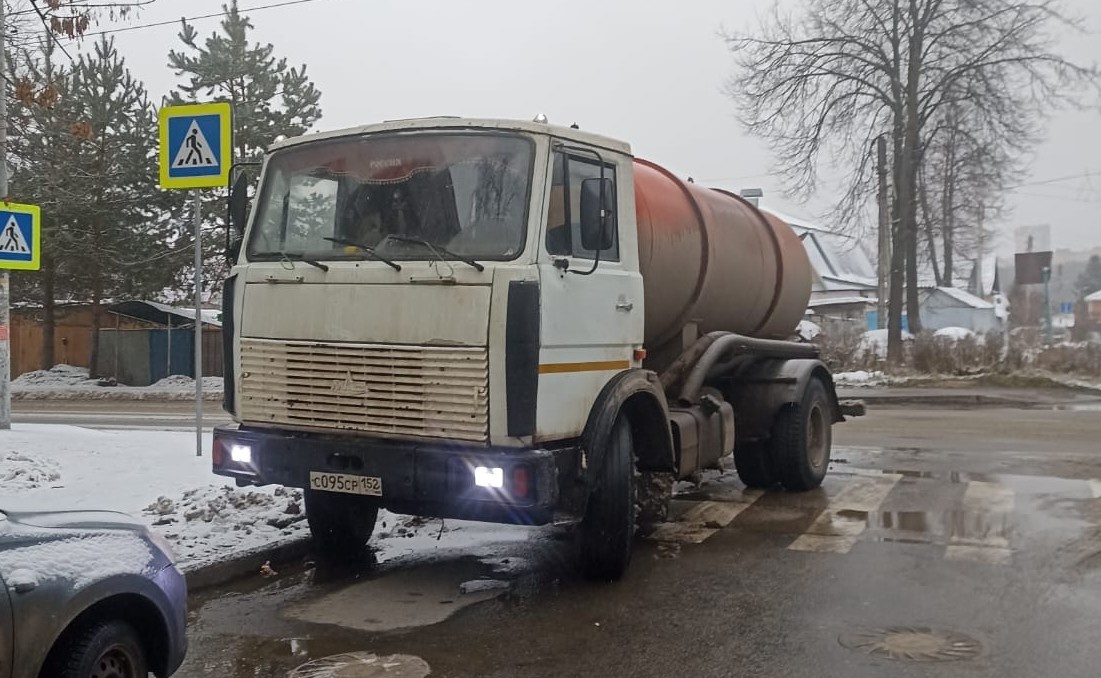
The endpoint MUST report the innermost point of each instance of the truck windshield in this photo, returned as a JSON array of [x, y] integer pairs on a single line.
[[466, 193]]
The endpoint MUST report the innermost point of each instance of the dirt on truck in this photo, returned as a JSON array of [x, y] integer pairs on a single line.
[[511, 322]]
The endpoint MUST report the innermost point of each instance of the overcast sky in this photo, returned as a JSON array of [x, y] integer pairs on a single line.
[[650, 73]]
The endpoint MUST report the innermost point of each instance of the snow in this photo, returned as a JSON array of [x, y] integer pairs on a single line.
[[80, 560], [57, 376], [19, 473], [859, 377], [156, 477], [22, 578], [807, 331], [1096, 296], [875, 341], [480, 585], [966, 298], [66, 382], [954, 333]]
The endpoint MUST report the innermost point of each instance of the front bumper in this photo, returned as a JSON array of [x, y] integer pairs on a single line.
[[418, 478]]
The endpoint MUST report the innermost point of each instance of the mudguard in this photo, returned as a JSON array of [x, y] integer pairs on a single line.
[[639, 393]]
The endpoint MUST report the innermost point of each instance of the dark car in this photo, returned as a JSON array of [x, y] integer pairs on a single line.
[[88, 594]]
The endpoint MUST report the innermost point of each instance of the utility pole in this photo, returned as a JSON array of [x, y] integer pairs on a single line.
[[884, 258], [1047, 306], [5, 279]]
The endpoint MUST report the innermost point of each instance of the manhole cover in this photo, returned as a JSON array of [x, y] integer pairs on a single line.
[[363, 665], [915, 644]]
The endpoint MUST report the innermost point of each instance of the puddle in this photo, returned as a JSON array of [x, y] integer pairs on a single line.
[[418, 596]]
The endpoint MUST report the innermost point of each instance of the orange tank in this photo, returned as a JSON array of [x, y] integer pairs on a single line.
[[711, 257]]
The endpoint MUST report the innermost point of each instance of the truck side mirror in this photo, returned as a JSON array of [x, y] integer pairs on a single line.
[[597, 214], [236, 216]]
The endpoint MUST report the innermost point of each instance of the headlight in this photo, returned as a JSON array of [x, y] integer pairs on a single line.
[[161, 543]]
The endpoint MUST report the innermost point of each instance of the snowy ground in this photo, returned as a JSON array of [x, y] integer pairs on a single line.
[[156, 476], [65, 382]]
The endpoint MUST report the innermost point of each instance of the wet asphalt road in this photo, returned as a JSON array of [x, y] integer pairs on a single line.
[[983, 523]]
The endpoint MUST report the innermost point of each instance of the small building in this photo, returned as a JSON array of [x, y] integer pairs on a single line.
[[952, 307], [1093, 307], [140, 342]]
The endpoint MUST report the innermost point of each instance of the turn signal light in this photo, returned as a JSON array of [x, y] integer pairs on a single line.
[[218, 453], [521, 482], [640, 354]]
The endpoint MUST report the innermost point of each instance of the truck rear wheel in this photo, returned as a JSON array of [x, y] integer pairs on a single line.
[[754, 464], [801, 439], [608, 529], [340, 524]]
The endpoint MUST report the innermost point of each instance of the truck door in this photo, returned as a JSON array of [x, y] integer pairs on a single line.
[[590, 323]]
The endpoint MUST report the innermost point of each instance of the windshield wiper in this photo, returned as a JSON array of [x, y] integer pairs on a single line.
[[369, 250], [298, 256], [438, 250]]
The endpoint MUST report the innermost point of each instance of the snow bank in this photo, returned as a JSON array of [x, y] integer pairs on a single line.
[[858, 378], [206, 523], [953, 333], [19, 473], [875, 341], [66, 382], [184, 383], [56, 376]]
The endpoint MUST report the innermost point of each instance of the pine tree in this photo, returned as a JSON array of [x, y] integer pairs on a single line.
[[269, 99], [90, 161]]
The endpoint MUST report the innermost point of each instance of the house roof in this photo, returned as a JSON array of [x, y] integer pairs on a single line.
[[840, 262], [840, 301], [965, 298], [1096, 296], [155, 312]]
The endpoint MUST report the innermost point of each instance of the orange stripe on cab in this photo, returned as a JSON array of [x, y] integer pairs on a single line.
[[600, 366]]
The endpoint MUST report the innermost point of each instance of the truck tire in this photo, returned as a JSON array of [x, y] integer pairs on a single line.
[[754, 464], [801, 439], [608, 528], [340, 524]]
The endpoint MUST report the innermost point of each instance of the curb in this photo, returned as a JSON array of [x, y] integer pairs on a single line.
[[249, 562]]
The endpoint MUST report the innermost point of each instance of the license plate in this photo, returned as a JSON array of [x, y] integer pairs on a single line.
[[348, 484]]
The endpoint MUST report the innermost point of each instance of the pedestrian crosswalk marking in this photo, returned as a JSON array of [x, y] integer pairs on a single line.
[[12, 240], [195, 150], [703, 519], [838, 528], [1095, 488]]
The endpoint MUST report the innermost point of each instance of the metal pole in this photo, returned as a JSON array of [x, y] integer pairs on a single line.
[[1047, 305], [197, 208], [5, 345]]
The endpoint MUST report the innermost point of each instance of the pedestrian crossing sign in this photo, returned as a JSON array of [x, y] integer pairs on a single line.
[[196, 147], [20, 237]]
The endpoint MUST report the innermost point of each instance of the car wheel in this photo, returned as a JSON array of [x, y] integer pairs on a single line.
[[105, 649], [340, 524]]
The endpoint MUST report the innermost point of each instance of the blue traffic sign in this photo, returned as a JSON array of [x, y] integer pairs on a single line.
[[196, 147], [20, 237], [1066, 307]]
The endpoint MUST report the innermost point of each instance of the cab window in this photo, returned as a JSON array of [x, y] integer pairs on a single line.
[[564, 215]]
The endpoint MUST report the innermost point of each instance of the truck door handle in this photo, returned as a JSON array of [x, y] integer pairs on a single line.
[[624, 306]]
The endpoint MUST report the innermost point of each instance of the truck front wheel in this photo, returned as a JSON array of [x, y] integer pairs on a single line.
[[801, 439], [340, 524], [608, 528]]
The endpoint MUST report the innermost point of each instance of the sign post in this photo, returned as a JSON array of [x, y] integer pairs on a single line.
[[196, 150], [21, 250]]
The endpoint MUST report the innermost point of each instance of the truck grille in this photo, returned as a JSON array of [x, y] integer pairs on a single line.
[[417, 391]]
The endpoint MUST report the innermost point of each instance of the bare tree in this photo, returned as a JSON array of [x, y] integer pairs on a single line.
[[820, 85]]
